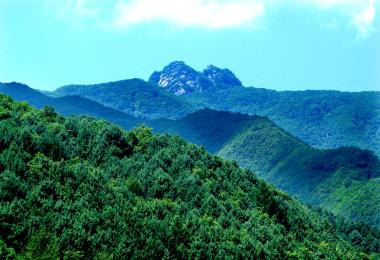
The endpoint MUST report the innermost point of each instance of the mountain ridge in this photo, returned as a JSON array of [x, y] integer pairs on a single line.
[[135, 97], [230, 135]]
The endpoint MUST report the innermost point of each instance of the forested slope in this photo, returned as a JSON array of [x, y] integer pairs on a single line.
[[323, 178], [78, 188], [323, 119], [345, 180]]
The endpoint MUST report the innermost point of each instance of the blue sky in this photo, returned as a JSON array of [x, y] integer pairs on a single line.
[[276, 44]]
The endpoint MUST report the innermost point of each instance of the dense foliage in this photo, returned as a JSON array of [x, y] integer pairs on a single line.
[[345, 180], [77, 188]]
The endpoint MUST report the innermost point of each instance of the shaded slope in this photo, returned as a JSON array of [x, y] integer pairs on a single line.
[[68, 105], [209, 128], [84, 189], [135, 97], [22, 92], [325, 119]]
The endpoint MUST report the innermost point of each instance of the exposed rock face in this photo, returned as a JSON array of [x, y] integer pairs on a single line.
[[221, 77], [181, 79]]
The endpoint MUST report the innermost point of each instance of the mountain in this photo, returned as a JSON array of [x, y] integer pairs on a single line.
[[180, 79], [22, 92], [345, 180], [258, 144], [78, 188], [68, 105], [221, 77], [323, 119], [135, 97]]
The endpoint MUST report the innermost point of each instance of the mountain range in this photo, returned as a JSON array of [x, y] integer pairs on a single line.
[[323, 119], [81, 188], [286, 153]]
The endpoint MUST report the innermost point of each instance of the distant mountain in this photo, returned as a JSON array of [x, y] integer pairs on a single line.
[[336, 179], [135, 97], [180, 79], [22, 92], [221, 77], [323, 119], [67, 105]]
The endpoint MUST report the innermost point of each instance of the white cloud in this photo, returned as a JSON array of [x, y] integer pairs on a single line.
[[78, 12], [363, 21], [213, 14], [360, 13], [326, 4]]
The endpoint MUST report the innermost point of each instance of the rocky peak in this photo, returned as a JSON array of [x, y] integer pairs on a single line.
[[181, 79], [221, 77]]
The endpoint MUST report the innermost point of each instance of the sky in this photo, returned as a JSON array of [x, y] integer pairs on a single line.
[[274, 44]]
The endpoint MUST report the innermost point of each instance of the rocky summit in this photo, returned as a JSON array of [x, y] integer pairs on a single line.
[[181, 79], [221, 77]]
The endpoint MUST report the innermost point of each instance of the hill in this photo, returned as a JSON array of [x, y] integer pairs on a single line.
[[22, 92], [78, 188], [323, 119], [344, 180], [135, 97], [68, 105]]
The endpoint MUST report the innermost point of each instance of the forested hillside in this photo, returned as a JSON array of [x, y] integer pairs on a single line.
[[345, 180], [324, 119], [79, 188], [135, 97]]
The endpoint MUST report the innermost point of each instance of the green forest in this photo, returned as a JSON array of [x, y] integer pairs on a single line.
[[80, 188], [346, 180]]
